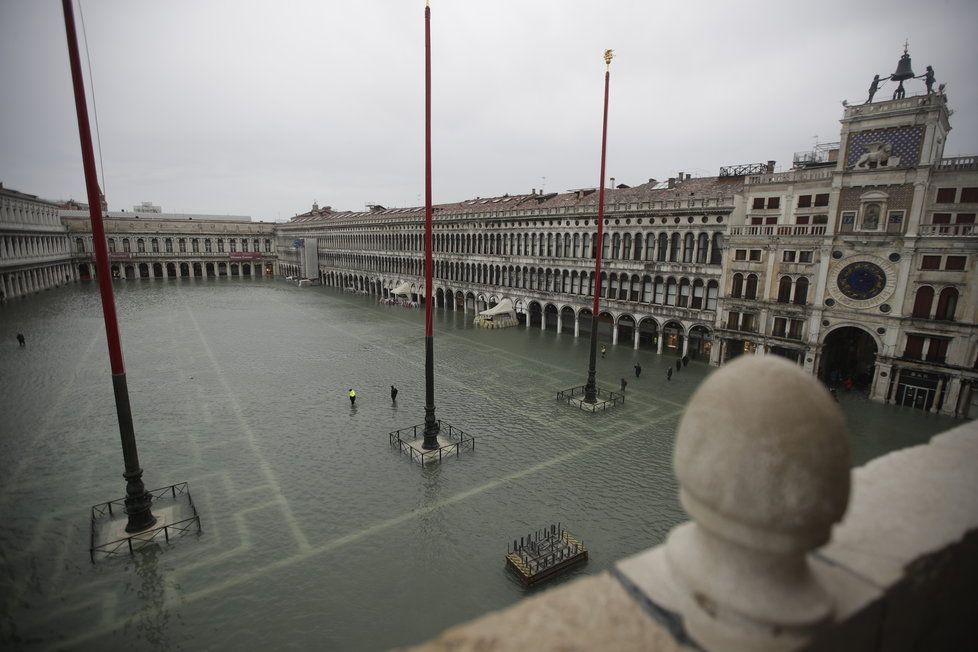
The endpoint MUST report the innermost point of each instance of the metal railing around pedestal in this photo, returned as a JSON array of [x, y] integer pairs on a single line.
[[403, 440], [606, 398]]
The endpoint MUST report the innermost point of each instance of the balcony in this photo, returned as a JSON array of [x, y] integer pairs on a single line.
[[791, 176], [947, 230], [779, 230], [958, 163]]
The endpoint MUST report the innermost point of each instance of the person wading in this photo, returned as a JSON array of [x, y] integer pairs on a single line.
[[353, 397], [624, 383], [638, 369], [20, 339], [393, 394], [669, 373]]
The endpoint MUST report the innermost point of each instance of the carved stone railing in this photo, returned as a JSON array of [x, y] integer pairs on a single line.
[[958, 163], [768, 561], [792, 176], [947, 230], [779, 229]]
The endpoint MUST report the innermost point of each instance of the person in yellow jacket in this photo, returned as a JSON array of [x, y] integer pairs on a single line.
[[353, 397]]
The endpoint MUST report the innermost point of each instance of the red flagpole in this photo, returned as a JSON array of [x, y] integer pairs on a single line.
[[138, 500], [590, 388], [431, 426]]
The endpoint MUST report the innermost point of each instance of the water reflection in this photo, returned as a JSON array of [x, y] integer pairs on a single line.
[[151, 622]]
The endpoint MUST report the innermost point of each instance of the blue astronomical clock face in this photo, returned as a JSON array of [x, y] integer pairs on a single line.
[[862, 280]]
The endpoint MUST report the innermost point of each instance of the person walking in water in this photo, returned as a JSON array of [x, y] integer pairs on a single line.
[[353, 397], [604, 350], [638, 369], [20, 339], [679, 365], [393, 394], [624, 383], [669, 373]]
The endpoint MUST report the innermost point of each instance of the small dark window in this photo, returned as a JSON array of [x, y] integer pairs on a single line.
[[801, 219], [964, 218], [755, 255], [937, 352], [820, 219], [758, 203], [969, 195], [946, 195], [773, 202], [915, 347], [822, 199], [923, 301], [941, 218], [740, 254], [789, 257], [804, 201], [955, 263], [804, 256], [931, 262]]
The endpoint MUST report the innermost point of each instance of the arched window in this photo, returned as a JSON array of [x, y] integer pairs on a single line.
[[168, 245], [712, 290], [638, 247], [671, 292], [626, 246], [663, 248], [660, 291], [784, 289], [702, 244], [80, 245], [650, 247], [614, 287], [801, 291], [646, 289], [946, 304], [550, 244], [567, 246], [604, 285], [750, 292], [576, 253], [716, 252], [697, 303], [684, 293], [140, 246], [923, 302], [112, 245], [155, 245], [688, 244], [674, 248], [635, 289], [737, 288], [606, 250]]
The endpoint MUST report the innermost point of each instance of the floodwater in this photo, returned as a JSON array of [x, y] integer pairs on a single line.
[[316, 534]]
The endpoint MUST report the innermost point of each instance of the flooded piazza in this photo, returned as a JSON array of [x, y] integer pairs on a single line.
[[316, 533]]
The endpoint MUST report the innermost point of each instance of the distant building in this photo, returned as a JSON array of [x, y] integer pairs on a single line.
[[34, 250], [146, 207]]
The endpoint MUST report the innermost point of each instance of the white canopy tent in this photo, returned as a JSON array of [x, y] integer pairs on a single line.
[[501, 315], [402, 290]]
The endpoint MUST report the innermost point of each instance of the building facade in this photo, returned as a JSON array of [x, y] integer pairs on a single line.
[[160, 245], [34, 250]]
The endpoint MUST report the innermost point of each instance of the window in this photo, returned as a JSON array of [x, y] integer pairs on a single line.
[[684, 293], [195, 245], [788, 257], [941, 218], [674, 245], [922, 302], [802, 219], [820, 219], [140, 246], [671, 292], [233, 244], [268, 245], [660, 290], [964, 218], [207, 245], [794, 329], [848, 221], [168, 245], [931, 262], [740, 254], [688, 244], [801, 291], [937, 351], [255, 248], [758, 203], [155, 245], [784, 289], [804, 201], [822, 199], [755, 255], [946, 195], [737, 287], [780, 327], [914, 349], [712, 290], [750, 292], [773, 202], [894, 222], [969, 195], [955, 263], [182, 245], [125, 245], [804, 256], [697, 303], [80, 245], [733, 320], [947, 304], [111, 245]]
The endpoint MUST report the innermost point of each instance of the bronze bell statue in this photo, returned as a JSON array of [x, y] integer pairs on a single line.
[[903, 72]]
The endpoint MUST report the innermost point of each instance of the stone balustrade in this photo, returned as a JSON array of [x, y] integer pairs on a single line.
[[787, 548]]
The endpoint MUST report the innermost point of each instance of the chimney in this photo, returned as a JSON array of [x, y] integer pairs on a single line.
[[533, 191], [688, 175], [612, 183], [672, 182], [652, 181], [770, 166], [315, 206]]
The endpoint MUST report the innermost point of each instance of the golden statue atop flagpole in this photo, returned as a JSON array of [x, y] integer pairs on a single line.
[[608, 55]]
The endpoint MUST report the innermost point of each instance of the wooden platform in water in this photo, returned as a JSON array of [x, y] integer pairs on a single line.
[[542, 556]]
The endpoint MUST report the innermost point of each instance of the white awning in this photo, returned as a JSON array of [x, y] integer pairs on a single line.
[[503, 307], [404, 289]]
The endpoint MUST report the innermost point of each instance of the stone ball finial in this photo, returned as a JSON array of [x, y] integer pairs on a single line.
[[762, 458]]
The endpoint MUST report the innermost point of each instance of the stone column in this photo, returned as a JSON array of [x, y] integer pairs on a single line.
[[878, 390], [660, 343], [951, 397], [635, 338], [166, 273], [560, 323], [891, 397], [685, 345], [614, 333], [934, 409], [577, 325]]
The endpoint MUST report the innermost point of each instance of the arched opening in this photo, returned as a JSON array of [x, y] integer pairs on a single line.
[[171, 270], [648, 333], [947, 303], [606, 324], [158, 270], [116, 271], [84, 273], [700, 342], [143, 270], [567, 319], [550, 316], [848, 357], [439, 298], [130, 271], [459, 300], [470, 301], [222, 269], [184, 270], [535, 314], [520, 308], [672, 334], [626, 328], [211, 273]]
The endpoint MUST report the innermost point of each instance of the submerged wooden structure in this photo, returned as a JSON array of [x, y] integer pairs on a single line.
[[544, 553]]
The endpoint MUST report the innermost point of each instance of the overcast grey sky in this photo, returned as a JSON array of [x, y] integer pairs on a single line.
[[259, 108]]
